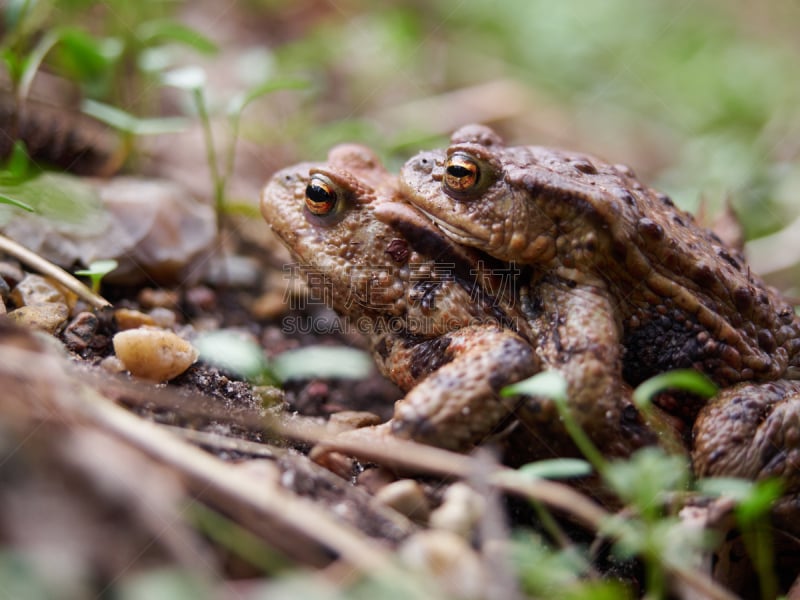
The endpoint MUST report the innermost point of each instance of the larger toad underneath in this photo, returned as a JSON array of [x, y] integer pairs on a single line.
[[627, 286]]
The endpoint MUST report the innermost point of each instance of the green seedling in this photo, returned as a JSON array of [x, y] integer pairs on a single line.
[[96, 271], [642, 481], [551, 384], [237, 354], [323, 362], [193, 81]]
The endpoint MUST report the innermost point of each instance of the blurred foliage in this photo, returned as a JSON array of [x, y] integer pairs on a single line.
[[697, 97]]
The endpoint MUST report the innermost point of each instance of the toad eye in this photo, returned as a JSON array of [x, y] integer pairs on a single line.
[[462, 173], [322, 196]]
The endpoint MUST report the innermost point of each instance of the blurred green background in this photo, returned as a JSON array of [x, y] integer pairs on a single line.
[[699, 97]]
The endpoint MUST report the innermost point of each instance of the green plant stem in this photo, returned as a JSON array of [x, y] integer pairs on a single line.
[[654, 579], [235, 121], [211, 152], [582, 441], [758, 541], [33, 62]]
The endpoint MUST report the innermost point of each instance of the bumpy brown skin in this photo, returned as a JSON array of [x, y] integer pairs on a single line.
[[627, 286], [448, 342]]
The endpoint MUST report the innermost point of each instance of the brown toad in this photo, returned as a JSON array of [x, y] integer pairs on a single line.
[[433, 323], [626, 286]]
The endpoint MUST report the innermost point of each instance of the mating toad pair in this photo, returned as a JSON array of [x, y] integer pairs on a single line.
[[484, 264]]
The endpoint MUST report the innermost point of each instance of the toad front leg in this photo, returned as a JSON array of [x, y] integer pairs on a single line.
[[579, 337]]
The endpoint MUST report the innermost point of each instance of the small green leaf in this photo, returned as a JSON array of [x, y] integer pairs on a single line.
[[97, 270], [645, 476], [754, 498], [556, 468], [726, 486], [681, 379], [103, 267], [759, 503], [240, 101], [33, 60], [322, 362], [80, 55], [163, 583], [166, 30], [236, 353], [6, 199], [128, 123], [58, 197], [110, 115], [14, 64], [549, 384], [186, 78], [159, 126], [18, 167]]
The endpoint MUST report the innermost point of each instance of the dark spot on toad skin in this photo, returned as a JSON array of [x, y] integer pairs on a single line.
[[398, 250], [429, 355], [584, 166], [650, 229], [381, 348], [726, 256], [666, 200]]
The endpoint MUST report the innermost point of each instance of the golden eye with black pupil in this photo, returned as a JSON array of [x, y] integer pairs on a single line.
[[321, 196], [461, 173]]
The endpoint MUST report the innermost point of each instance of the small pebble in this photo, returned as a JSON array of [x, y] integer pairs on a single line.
[[111, 364], [151, 297], [448, 559], [128, 318], [81, 331], [11, 272], [460, 510], [154, 354], [164, 317], [201, 299], [406, 497], [5, 289], [233, 270], [48, 317], [373, 480], [35, 289], [346, 420], [270, 305]]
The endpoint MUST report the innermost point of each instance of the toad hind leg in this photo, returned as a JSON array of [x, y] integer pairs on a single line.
[[751, 430]]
